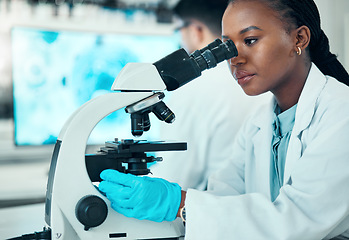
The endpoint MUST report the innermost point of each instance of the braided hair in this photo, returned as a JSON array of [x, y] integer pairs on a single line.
[[304, 12]]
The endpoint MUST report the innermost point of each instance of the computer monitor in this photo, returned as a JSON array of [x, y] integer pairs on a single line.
[[55, 72]]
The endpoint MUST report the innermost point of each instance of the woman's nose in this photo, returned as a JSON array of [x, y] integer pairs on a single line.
[[239, 59]]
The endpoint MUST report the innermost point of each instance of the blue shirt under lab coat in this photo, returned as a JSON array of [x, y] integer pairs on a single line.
[[282, 129]]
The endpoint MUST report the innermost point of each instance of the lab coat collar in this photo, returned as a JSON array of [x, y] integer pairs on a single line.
[[314, 84], [264, 115], [261, 141], [306, 104]]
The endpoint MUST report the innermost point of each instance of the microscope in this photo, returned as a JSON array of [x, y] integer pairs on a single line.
[[74, 208]]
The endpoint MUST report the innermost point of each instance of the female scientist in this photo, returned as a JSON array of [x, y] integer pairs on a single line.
[[289, 176]]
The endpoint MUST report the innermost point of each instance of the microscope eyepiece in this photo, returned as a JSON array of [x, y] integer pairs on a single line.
[[179, 68], [214, 53], [210, 46]]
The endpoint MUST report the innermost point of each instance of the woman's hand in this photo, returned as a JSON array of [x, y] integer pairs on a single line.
[[148, 198]]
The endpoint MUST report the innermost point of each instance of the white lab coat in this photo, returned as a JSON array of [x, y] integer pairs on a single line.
[[314, 201], [209, 112]]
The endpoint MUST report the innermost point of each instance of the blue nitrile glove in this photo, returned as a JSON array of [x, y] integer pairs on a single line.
[[148, 198]]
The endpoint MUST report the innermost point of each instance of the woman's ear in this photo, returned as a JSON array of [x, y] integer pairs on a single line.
[[303, 36]]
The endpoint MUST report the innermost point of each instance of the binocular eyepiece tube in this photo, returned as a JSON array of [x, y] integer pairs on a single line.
[[179, 68], [214, 53]]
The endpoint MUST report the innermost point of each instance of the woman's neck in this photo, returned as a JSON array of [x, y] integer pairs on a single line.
[[288, 95]]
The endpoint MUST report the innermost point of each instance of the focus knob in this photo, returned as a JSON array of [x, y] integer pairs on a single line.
[[91, 211]]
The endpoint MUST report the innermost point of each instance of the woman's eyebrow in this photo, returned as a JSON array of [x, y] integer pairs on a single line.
[[249, 29]]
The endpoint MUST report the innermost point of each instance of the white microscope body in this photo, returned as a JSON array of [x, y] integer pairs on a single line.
[[70, 181], [71, 197]]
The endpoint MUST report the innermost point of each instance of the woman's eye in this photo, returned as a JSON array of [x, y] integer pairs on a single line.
[[250, 41]]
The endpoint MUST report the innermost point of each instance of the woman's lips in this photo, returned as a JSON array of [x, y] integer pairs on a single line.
[[243, 77]]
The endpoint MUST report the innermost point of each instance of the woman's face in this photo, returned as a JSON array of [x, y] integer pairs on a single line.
[[266, 60]]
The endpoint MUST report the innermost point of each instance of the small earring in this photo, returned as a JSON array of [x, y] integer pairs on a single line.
[[299, 52]]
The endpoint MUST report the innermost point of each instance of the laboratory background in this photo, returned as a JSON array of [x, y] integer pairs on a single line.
[[55, 55]]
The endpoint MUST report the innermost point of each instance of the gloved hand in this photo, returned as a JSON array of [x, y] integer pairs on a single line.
[[148, 198]]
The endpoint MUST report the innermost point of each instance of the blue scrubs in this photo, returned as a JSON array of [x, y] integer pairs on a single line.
[[282, 128]]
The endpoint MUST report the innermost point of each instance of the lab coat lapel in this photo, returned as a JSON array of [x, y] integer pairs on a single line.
[[305, 111], [261, 142]]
